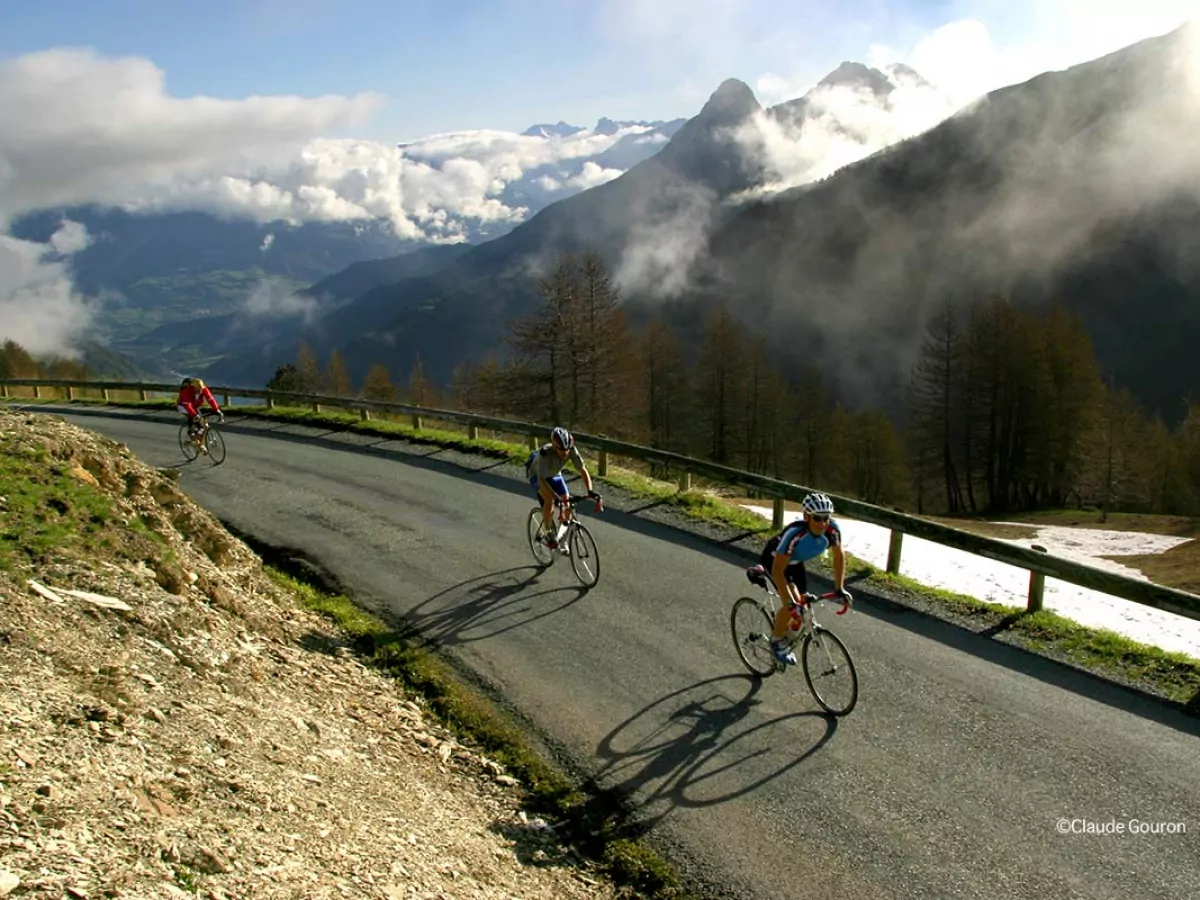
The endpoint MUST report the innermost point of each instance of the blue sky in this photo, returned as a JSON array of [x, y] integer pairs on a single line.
[[468, 64], [506, 64]]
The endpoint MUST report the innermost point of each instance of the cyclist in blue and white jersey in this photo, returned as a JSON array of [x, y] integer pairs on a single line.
[[784, 556]]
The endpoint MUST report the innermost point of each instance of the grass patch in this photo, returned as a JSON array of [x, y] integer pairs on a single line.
[[696, 504], [1173, 675], [186, 878], [594, 822], [45, 510]]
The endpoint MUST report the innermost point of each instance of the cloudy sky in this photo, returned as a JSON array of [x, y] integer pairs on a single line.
[[292, 109], [503, 64]]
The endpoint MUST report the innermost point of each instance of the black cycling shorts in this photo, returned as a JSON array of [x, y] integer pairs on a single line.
[[795, 573]]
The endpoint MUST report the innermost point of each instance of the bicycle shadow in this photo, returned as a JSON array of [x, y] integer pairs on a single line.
[[486, 606], [701, 746]]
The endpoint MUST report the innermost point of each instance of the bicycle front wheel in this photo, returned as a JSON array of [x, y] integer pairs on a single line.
[[186, 445], [827, 663], [751, 626], [585, 555], [543, 554], [215, 444]]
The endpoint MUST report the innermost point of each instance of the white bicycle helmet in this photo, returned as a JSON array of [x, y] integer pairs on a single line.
[[562, 438], [818, 504]]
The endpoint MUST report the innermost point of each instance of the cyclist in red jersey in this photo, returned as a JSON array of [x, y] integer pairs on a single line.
[[193, 394]]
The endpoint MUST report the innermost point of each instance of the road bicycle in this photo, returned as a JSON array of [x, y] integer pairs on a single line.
[[752, 620], [208, 441], [575, 542]]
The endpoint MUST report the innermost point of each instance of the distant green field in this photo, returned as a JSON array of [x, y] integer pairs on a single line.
[[165, 300]]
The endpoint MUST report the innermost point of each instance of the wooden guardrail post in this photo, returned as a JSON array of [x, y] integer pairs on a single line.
[[602, 465], [533, 442], [37, 392], [364, 414], [416, 419], [473, 432], [1037, 585], [270, 403], [685, 480], [224, 399], [316, 407], [104, 393], [894, 545], [778, 509], [142, 395], [70, 392]]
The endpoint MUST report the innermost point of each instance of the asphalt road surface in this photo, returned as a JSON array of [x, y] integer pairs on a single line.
[[952, 778]]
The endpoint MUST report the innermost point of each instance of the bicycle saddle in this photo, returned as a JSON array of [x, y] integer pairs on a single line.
[[757, 575]]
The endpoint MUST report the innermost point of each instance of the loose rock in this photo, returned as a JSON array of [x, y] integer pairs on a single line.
[[184, 741]]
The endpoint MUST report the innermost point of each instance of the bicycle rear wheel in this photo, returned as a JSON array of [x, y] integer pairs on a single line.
[[585, 555], [751, 626], [215, 444], [543, 554], [186, 445], [826, 659]]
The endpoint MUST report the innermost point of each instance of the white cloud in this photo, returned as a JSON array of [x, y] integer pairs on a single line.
[[278, 298], [71, 237], [959, 62], [76, 127], [662, 247], [842, 124], [592, 175], [39, 307], [990, 45]]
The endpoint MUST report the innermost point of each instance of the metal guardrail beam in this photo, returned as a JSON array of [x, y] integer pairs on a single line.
[[1036, 561]]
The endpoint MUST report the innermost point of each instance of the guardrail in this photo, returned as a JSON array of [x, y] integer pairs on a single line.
[[1035, 560]]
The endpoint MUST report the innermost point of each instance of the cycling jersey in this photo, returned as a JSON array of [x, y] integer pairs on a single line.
[[799, 543], [191, 399], [546, 463]]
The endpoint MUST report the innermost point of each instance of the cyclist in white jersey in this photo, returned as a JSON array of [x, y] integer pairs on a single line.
[[544, 467]]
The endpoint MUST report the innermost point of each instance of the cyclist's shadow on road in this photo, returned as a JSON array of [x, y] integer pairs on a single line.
[[701, 746], [489, 605]]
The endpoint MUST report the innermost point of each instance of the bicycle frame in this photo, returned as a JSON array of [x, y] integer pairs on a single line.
[[812, 639], [202, 416], [804, 612], [573, 530]]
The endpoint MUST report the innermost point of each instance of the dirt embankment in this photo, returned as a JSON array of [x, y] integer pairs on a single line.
[[173, 724]]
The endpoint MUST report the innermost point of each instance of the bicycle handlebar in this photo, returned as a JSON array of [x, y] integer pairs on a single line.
[[579, 498], [831, 595]]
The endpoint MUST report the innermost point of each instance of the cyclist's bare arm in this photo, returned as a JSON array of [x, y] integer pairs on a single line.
[[839, 567]]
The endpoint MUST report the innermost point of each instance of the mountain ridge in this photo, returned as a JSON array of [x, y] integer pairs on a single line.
[[689, 181]]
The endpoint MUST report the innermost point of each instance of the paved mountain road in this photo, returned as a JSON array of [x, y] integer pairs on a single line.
[[946, 781]]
